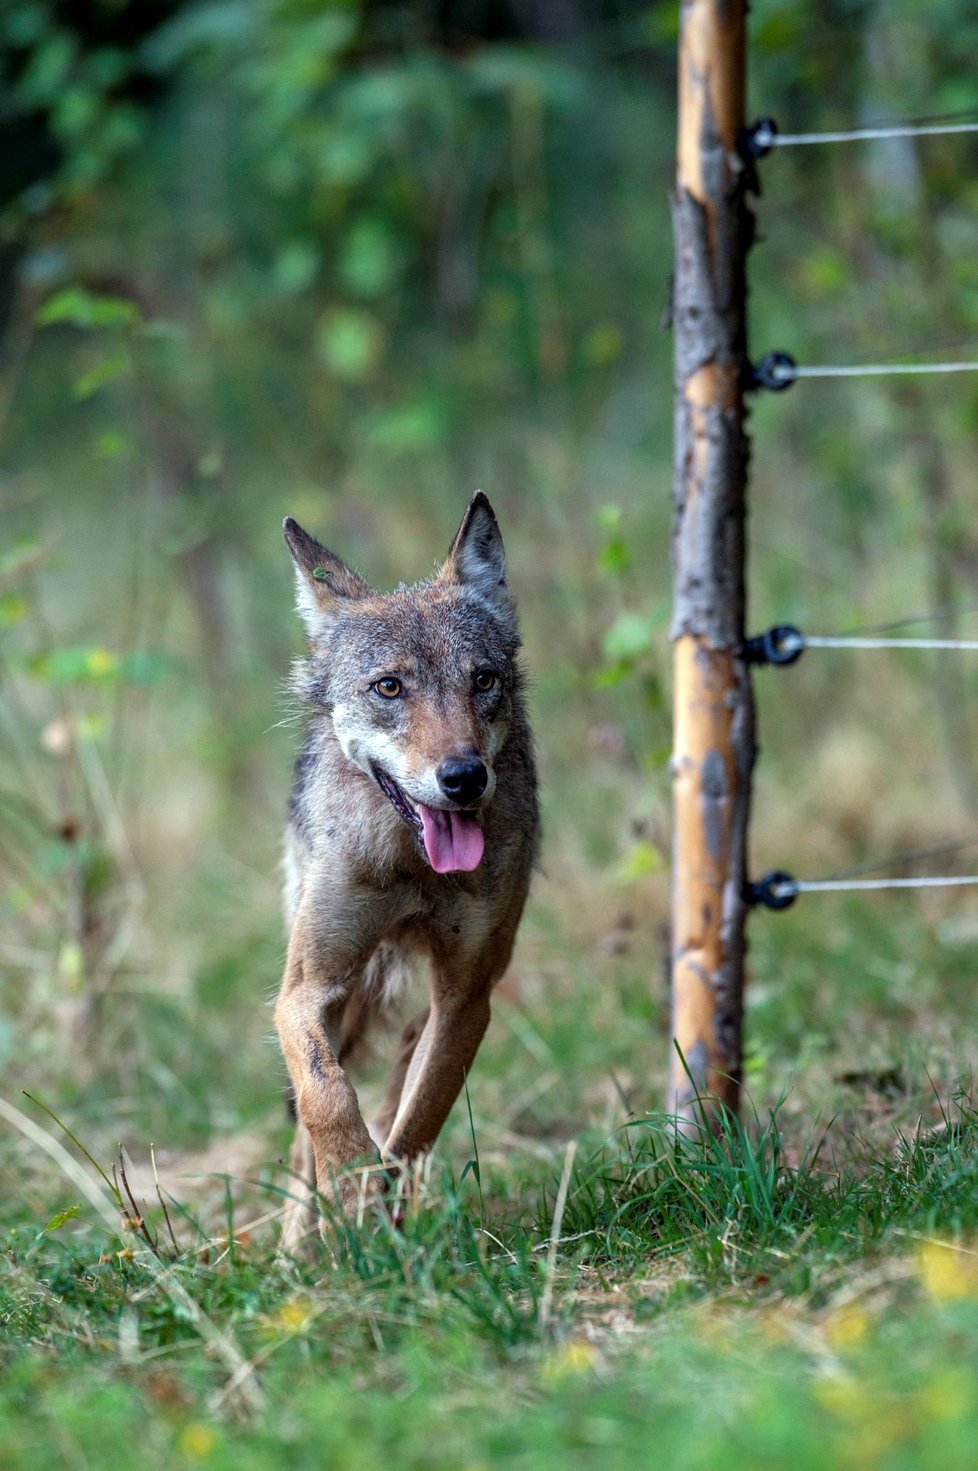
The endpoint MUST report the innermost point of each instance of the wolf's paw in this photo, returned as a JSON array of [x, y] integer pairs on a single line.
[[352, 1197], [299, 1232], [408, 1184]]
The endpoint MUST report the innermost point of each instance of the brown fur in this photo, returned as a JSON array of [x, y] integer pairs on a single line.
[[361, 896]]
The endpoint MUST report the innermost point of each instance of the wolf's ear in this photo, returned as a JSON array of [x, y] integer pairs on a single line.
[[323, 583], [476, 558]]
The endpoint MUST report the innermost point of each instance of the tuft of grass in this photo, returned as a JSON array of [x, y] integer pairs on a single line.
[[734, 1208], [658, 1189]]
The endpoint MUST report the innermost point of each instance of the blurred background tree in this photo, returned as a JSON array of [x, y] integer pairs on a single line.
[[349, 261]]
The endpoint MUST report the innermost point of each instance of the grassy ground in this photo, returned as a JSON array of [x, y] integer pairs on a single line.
[[699, 1305], [801, 1291], [804, 1292]]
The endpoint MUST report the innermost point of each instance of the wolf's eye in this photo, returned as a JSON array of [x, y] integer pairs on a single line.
[[389, 687], [484, 679]]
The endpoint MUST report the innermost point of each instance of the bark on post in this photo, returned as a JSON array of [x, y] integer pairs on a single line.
[[713, 733]]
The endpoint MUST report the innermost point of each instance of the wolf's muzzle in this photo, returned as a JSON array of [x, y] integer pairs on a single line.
[[463, 780]]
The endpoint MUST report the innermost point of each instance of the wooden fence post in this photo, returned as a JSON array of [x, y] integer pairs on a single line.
[[713, 726]]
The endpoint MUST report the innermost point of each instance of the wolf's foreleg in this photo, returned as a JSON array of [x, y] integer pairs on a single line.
[[308, 1015], [380, 1124], [302, 1211], [441, 1060]]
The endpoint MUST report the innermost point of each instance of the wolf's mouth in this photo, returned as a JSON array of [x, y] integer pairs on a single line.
[[451, 841], [397, 799]]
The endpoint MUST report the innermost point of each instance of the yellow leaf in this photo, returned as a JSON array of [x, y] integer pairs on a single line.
[[847, 1327], [842, 1396], [196, 1441], [293, 1316], [643, 859], [948, 1272], [571, 1359], [101, 661], [71, 962], [602, 345], [948, 1396]]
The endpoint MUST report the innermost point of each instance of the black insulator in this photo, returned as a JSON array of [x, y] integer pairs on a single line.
[[782, 645], [776, 890], [757, 140], [775, 372]]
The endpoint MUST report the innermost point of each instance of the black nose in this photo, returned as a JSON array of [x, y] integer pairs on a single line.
[[463, 781]]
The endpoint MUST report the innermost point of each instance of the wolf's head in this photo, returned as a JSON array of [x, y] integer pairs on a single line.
[[420, 683]]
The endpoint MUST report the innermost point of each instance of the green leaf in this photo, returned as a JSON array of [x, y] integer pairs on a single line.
[[629, 637], [349, 343], [13, 609], [613, 674], [108, 67], [656, 759], [369, 258], [825, 271], [98, 665], [608, 517], [101, 374], [47, 70], [344, 159], [416, 426], [642, 860], [111, 444], [615, 556], [78, 307], [70, 1213], [224, 26], [64, 666], [76, 110], [602, 345], [653, 695], [24, 25], [296, 267]]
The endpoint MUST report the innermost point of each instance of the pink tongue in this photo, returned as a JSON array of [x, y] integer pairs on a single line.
[[452, 840]]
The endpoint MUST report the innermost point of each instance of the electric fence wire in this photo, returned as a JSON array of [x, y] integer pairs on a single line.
[[826, 641], [784, 643], [782, 888], [778, 890], [767, 137], [787, 374], [788, 887]]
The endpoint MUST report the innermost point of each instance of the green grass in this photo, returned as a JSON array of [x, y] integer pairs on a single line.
[[800, 1289], [705, 1301], [761, 1390]]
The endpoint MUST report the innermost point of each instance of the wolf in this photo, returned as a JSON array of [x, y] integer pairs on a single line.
[[413, 830]]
